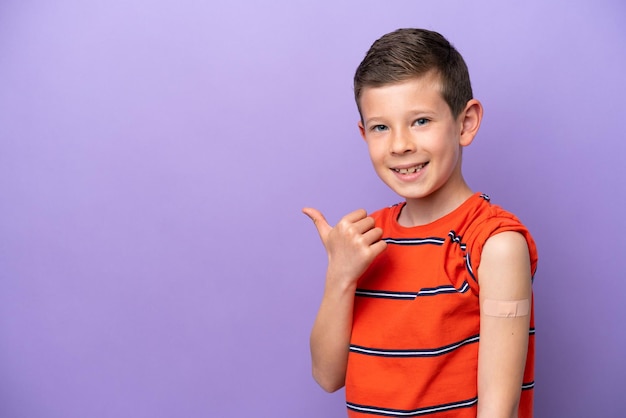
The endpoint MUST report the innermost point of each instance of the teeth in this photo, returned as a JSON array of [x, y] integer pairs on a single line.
[[409, 170]]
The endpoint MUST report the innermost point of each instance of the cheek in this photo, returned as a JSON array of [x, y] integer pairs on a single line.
[[375, 149], [446, 145], [453, 156]]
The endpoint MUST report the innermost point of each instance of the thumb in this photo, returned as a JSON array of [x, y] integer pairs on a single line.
[[323, 228]]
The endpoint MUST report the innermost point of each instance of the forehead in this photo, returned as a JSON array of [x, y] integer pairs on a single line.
[[422, 93]]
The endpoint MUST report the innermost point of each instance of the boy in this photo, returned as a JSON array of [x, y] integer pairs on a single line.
[[411, 289]]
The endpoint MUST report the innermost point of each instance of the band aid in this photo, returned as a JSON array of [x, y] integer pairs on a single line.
[[506, 308]]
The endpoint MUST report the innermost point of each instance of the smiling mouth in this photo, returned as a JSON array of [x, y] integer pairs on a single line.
[[410, 170]]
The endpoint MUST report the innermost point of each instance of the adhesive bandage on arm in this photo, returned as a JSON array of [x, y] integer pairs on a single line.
[[506, 308]]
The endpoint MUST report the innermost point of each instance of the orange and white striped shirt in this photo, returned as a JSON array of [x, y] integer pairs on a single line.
[[416, 324]]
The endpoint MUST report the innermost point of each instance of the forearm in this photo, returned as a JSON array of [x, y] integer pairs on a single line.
[[330, 337], [501, 367]]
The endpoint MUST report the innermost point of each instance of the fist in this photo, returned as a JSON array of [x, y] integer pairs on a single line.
[[351, 245]]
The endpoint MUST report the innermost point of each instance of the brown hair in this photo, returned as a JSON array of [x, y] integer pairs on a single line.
[[408, 53]]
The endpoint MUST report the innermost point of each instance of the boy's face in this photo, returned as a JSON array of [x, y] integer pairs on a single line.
[[413, 139]]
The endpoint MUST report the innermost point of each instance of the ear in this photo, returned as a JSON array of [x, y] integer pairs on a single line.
[[470, 119], [362, 129]]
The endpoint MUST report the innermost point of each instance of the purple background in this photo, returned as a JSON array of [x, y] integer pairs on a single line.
[[155, 155]]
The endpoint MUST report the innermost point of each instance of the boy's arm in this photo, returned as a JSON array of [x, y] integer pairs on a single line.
[[505, 289], [351, 247]]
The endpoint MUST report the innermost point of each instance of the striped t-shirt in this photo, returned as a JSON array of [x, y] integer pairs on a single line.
[[416, 325]]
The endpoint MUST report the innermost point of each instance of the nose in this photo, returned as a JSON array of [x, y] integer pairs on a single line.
[[402, 142]]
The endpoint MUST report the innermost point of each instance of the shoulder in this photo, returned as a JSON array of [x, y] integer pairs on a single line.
[[488, 220], [498, 234]]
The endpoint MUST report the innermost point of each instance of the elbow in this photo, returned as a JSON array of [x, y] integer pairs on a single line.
[[328, 383]]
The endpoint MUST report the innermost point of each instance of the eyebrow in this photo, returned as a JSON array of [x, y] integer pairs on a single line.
[[416, 113]]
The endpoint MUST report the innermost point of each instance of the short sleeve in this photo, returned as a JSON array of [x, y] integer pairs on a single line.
[[498, 221]]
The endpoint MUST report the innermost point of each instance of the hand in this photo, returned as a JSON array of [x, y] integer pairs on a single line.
[[351, 245]]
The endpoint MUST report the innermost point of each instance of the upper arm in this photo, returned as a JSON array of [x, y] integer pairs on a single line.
[[504, 274]]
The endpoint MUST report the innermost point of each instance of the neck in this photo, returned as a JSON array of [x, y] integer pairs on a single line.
[[422, 211]]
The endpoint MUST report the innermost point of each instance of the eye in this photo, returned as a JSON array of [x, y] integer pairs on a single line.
[[421, 122], [379, 128]]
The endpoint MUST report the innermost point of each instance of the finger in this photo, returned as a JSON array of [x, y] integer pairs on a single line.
[[322, 226], [355, 221], [355, 216], [372, 236], [365, 224], [378, 247]]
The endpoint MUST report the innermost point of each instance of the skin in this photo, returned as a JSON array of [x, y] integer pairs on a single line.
[[405, 126]]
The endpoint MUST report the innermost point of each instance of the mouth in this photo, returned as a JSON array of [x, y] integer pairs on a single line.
[[410, 170]]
